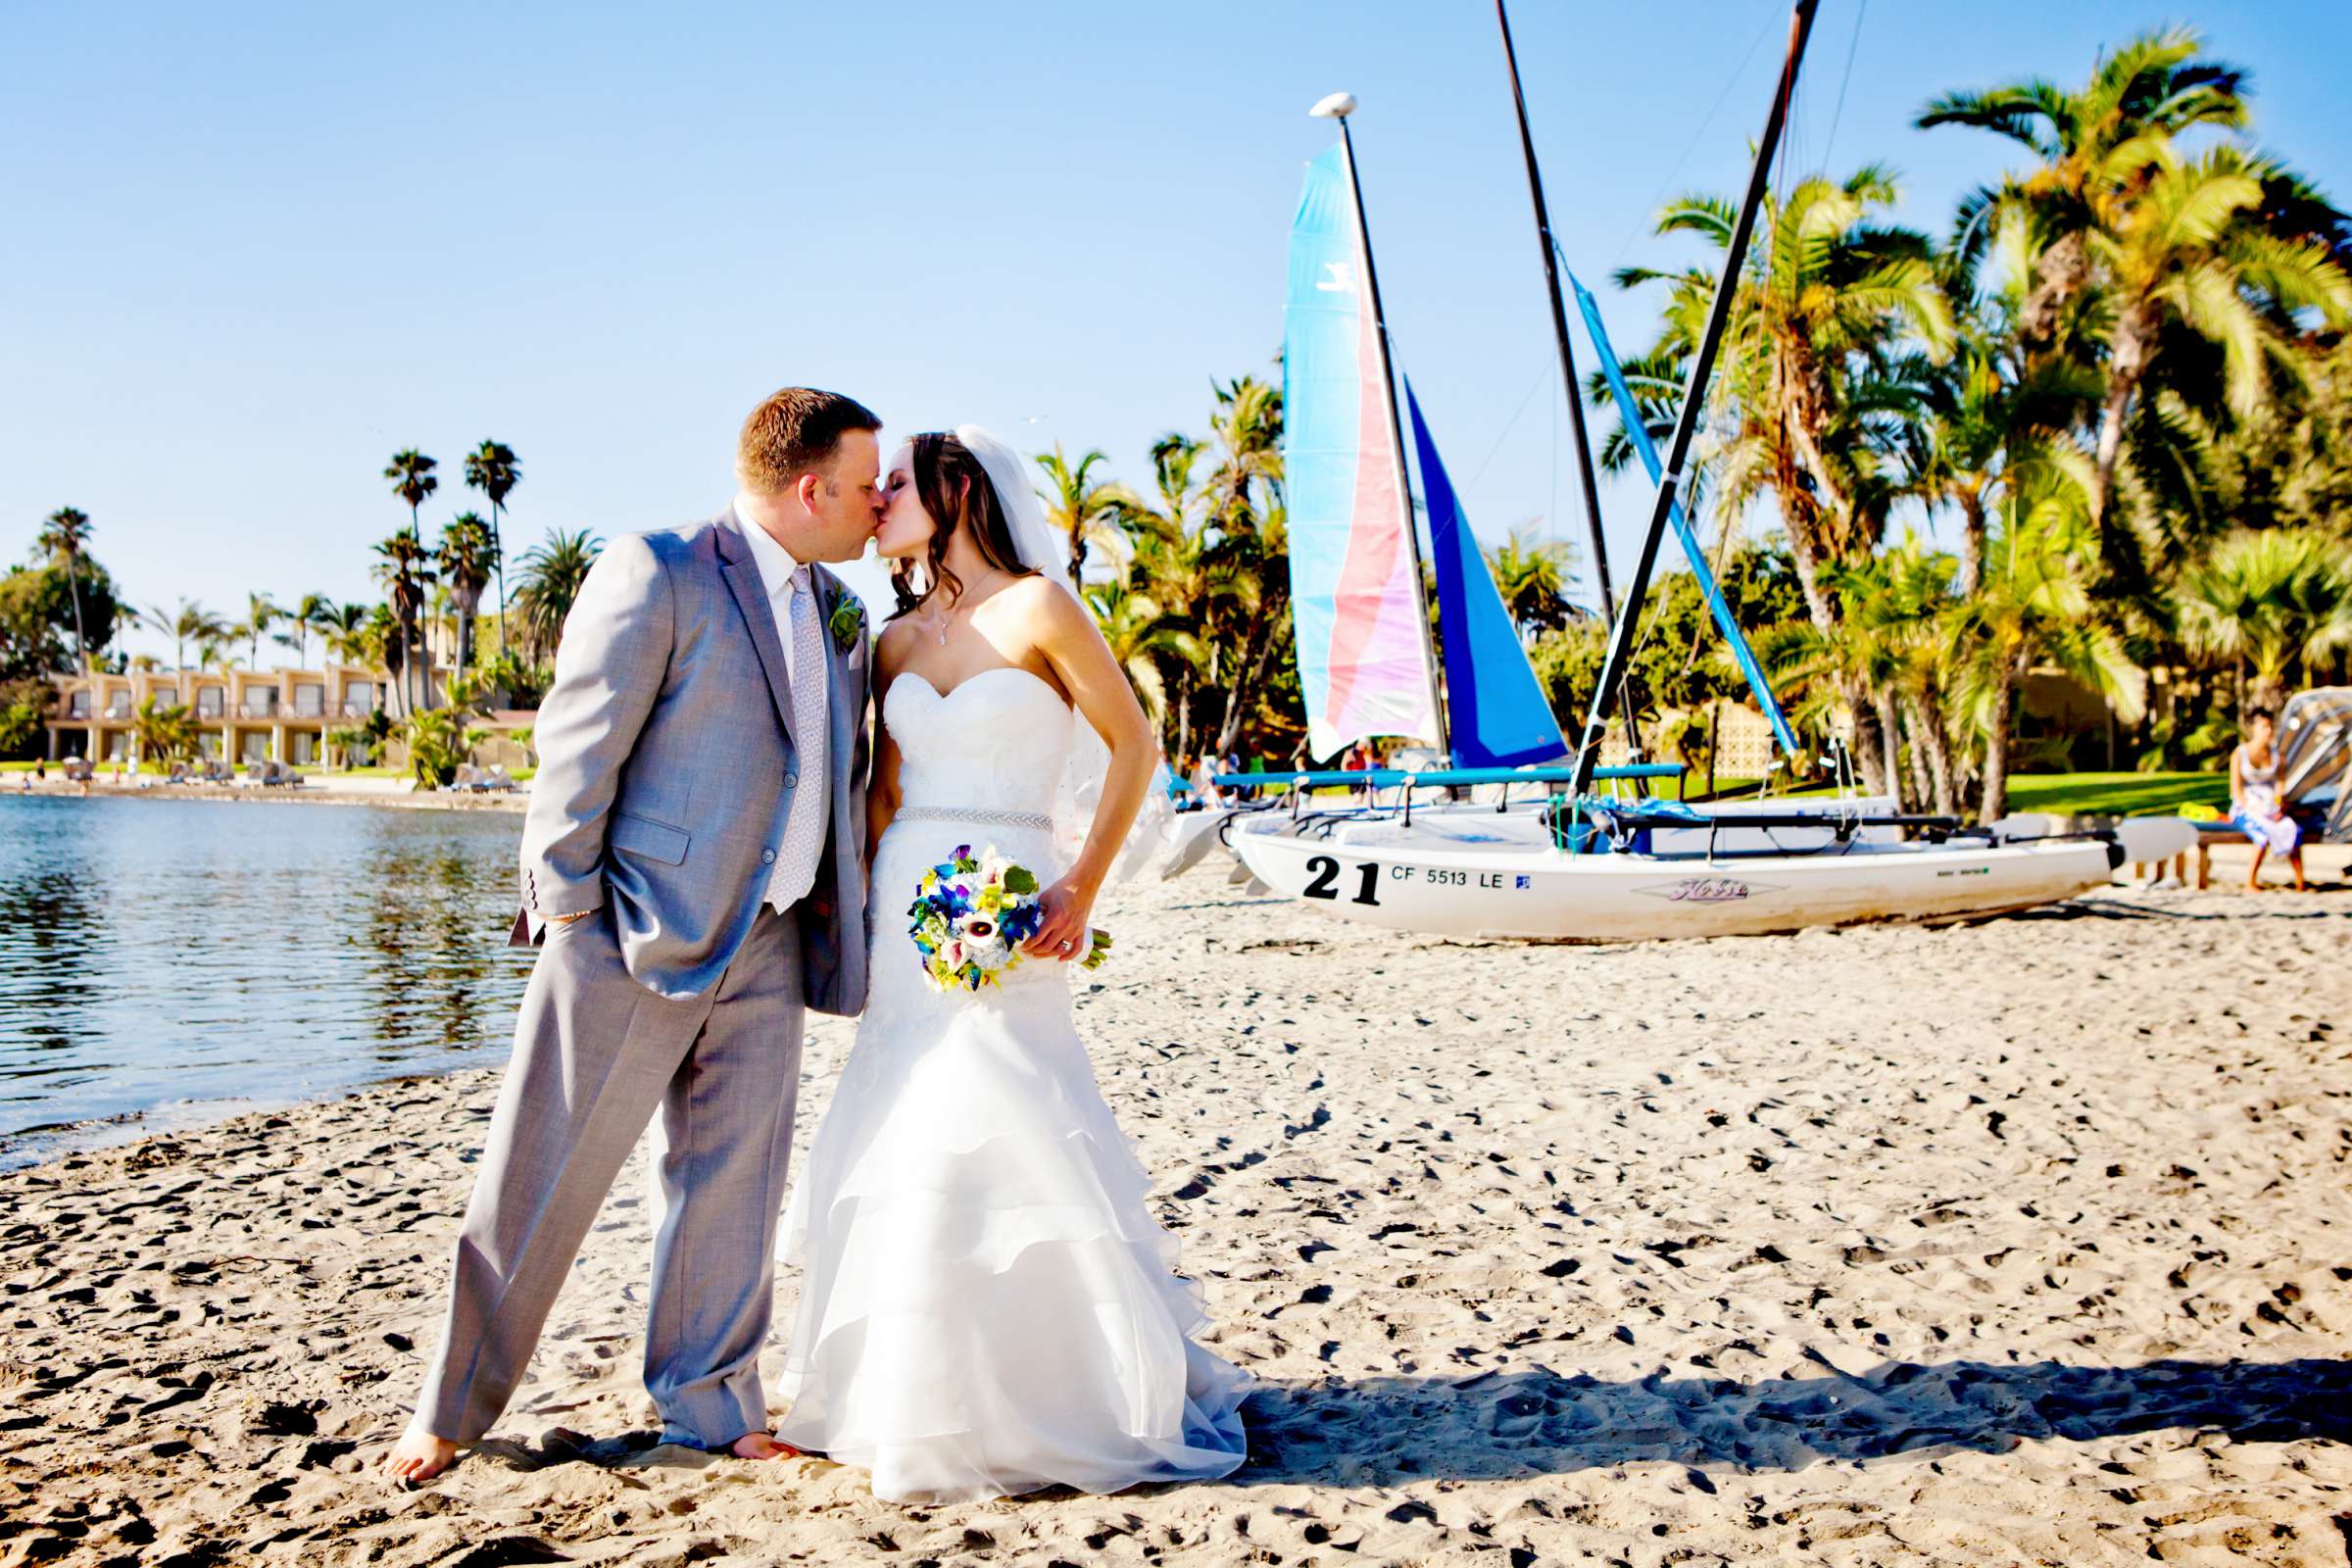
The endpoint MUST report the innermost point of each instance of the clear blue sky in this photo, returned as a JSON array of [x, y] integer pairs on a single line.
[[254, 249]]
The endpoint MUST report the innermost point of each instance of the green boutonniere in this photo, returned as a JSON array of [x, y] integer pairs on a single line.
[[846, 623]]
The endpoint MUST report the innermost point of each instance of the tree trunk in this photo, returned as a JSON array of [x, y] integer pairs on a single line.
[[1972, 539], [1995, 804], [1866, 754], [2058, 276], [1804, 549], [1923, 788], [2130, 346], [81, 643], [466, 608], [1891, 743], [1926, 722], [1251, 671], [497, 548]]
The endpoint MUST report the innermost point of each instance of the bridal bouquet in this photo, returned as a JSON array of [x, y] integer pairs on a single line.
[[971, 915]]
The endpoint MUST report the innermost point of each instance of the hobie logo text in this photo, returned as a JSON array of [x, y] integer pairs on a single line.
[[1708, 890]]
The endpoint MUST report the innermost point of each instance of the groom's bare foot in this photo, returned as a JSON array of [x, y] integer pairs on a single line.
[[763, 1446], [419, 1457]]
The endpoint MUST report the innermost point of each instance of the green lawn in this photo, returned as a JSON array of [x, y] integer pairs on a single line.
[[2117, 794], [2059, 794], [2088, 794]]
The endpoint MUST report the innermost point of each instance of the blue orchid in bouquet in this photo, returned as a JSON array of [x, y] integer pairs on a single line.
[[971, 913]]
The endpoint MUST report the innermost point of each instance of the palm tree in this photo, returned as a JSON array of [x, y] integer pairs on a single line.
[[1820, 385], [166, 732], [2147, 93], [1082, 509], [467, 556], [2264, 600], [1141, 636], [1247, 503], [493, 468], [65, 535], [261, 614], [2034, 609], [2182, 249], [381, 643], [552, 574], [1187, 566], [403, 571], [1532, 577], [191, 622], [308, 615], [340, 628], [1812, 372], [412, 481], [411, 474]]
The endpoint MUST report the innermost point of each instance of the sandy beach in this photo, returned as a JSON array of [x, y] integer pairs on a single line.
[[2027, 1242]]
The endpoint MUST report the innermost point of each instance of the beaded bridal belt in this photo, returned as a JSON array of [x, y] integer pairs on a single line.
[[1040, 820]]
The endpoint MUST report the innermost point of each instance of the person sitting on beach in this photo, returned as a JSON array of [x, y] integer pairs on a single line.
[[1204, 784], [2254, 801]]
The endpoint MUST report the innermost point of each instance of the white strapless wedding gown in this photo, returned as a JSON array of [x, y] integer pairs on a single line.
[[986, 1304]]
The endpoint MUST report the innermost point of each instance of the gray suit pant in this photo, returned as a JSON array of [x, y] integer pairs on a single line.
[[594, 1054]]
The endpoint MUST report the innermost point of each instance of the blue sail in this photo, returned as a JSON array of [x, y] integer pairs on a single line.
[[1638, 433], [1497, 706]]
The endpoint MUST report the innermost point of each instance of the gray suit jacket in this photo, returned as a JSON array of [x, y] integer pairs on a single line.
[[667, 765]]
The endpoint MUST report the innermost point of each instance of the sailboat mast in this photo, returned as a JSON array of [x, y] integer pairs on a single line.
[[1694, 396], [1559, 330], [1388, 392]]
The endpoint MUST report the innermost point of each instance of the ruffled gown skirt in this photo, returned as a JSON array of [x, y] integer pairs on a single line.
[[988, 1305]]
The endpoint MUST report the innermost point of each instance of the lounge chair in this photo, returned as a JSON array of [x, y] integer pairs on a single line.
[[179, 773], [497, 778]]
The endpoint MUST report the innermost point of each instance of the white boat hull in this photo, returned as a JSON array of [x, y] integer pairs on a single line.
[[1410, 880]]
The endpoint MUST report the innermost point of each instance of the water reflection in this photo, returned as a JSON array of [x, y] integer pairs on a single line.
[[161, 957]]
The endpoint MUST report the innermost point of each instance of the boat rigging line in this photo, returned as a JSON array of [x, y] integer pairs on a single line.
[[1694, 393]]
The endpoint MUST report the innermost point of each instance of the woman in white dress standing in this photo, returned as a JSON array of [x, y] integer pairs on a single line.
[[988, 1305]]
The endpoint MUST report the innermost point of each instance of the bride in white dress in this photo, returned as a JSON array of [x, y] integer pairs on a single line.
[[986, 1304]]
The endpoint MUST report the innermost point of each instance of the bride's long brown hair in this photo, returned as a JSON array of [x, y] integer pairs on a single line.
[[955, 489]]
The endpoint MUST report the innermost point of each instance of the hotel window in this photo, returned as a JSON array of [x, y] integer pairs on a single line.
[[310, 700], [77, 706], [303, 746], [209, 701], [255, 748]]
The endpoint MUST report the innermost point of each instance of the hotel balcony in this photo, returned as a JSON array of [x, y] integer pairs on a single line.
[[248, 715]]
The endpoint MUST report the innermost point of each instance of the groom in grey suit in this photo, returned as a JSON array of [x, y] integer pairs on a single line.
[[693, 861]]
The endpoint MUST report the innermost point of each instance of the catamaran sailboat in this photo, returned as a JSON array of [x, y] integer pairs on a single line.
[[1562, 863]]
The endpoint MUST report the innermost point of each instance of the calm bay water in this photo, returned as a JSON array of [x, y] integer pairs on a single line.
[[170, 961]]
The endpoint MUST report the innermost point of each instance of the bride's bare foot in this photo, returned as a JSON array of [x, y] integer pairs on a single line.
[[419, 1457], [763, 1446]]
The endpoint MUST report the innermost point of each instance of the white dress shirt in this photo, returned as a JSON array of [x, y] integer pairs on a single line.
[[782, 577]]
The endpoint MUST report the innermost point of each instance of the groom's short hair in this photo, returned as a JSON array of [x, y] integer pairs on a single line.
[[793, 431]]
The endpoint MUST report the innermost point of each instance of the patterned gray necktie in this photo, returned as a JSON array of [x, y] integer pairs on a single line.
[[804, 826]]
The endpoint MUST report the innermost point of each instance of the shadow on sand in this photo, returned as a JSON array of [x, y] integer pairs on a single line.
[[1519, 1423], [1533, 1422]]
